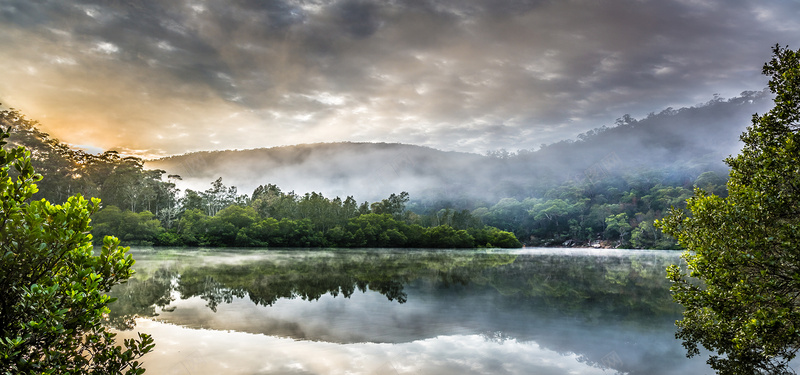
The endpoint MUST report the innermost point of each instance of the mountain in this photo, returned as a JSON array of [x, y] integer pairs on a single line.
[[686, 141], [367, 170]]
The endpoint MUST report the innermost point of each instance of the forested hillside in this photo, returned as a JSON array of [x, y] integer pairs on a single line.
[[605, 188], [140, 207], [688, 141]]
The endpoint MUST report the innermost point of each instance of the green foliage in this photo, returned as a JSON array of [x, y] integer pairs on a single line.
[[273, 218], [444, 236], [133, 228], [243, 226], [376, 230], [711, 183], [395, 205], [617, 226], [614, 211], [191, 226], [741, 292], [648, 236], [52, 285], [501, 238]]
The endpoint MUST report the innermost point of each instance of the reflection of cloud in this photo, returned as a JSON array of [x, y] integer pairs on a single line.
[[502, 305], [331, 319], [458, 75], [198, 351]]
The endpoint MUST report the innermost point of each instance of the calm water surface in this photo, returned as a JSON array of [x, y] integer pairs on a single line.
[[378, 311]]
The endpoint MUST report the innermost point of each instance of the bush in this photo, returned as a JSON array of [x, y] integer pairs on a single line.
[[52, 285]]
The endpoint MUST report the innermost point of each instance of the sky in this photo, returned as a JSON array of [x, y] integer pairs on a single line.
[[155, 78]]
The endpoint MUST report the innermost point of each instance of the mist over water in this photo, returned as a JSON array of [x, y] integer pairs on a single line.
[[544, 311]]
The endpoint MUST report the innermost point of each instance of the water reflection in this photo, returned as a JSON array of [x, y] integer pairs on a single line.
[[609, 310]]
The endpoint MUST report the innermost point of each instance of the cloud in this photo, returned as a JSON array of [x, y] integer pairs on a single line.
[[455, 75], [201, 351], [358, 18]]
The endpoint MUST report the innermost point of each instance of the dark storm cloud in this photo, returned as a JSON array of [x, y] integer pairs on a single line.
[[359, 18], [459, 75]]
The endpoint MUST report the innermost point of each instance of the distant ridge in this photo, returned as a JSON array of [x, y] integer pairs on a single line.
[[688, 140], [342, 168]]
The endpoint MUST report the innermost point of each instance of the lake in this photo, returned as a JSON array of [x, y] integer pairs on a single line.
[[404, 311]]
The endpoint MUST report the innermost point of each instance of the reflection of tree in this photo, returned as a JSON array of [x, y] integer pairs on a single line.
[[267, 281], [603, 286], [614, 293], [588, 305], [309, 278], [595, 287], [208, 288], [140, 298]]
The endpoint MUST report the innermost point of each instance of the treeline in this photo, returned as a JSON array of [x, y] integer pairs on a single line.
[[273, 218], [116, 180]]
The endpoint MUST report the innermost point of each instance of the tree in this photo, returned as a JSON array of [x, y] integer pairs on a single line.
[[617, 226], [742, 291], [444, 236], [193, 227], [48, 156], [395, 205], [134, 228], [52, 286]]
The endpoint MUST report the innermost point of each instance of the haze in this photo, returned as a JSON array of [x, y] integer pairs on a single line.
[[154, 78]]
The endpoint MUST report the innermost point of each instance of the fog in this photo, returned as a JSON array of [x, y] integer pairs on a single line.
[[685, 142], [364, 170]]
